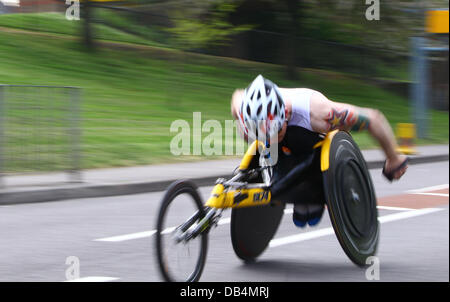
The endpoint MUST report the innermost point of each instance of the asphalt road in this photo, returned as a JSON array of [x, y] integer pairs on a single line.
[[112, 239]]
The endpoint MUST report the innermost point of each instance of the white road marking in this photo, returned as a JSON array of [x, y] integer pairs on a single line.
[[409, 214], [431, 194], [394, 208], [93, 279], [167, 231], [301, 237], [288, 211], [329, 231], [426, 189], [222, 221], [127, 236]]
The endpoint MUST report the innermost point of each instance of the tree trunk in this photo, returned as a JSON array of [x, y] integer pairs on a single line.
[[87, 28], [293, 7]]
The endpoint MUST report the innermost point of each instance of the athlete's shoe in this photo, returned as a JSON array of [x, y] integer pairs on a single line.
[[307, 214]]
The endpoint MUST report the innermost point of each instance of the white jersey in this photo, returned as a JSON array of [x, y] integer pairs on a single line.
[[301, 100]]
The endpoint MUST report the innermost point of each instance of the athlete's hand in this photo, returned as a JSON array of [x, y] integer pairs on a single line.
[[393, 164]]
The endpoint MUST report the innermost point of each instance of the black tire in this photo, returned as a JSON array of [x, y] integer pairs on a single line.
[[175, 190], [252, 229], [351, 200]]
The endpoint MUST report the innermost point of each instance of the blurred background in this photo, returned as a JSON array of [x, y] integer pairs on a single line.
[[102, 90]]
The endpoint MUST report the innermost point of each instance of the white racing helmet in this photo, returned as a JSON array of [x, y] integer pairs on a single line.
[[262, 111]]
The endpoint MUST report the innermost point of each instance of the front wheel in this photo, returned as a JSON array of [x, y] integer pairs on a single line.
[[180, 258]]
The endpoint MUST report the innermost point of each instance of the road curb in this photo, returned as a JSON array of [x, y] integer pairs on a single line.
[[93, 191]]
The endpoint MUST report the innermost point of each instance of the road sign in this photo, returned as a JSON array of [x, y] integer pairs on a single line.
[[437, 21]]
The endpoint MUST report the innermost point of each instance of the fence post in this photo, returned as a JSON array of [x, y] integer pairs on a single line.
[[74, 135]]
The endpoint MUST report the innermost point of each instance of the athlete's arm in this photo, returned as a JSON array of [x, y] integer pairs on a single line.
[[235, 103], [327, 115]]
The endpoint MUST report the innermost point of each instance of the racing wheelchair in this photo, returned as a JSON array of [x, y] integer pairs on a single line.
[[332, 174]]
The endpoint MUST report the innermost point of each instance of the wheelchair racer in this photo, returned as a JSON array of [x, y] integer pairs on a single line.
[[292, 116]]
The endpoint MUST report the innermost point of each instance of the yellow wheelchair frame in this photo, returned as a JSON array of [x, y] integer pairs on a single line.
[[257, 196]]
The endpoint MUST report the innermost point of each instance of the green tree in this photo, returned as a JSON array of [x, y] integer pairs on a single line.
[[202, 23]]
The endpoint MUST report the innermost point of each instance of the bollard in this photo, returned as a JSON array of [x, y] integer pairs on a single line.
[[406, 133]]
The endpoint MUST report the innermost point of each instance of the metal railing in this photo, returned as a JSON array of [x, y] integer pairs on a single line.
[[40, 130]]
